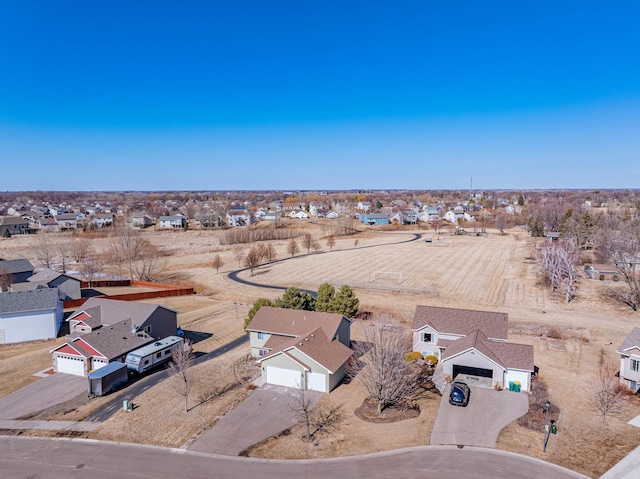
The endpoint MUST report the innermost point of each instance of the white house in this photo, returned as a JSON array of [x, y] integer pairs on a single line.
[[300, 349], [629, 352], [472, 342], [30, 315], [174, 222]]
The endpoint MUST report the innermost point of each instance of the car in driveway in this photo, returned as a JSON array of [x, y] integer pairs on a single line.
[[460, 393]]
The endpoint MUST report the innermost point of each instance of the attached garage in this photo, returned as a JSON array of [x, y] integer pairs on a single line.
[[283, 377], [317, 382], [70, 365], [471, 371], [98, 363]]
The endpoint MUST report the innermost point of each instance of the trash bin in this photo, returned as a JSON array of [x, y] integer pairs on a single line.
[[511, 385], [516, 386], [125, 405]]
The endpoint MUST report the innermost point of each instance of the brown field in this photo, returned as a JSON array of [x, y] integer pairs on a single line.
[[494, 272]]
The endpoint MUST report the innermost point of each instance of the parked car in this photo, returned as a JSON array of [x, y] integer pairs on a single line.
[[460, 393]]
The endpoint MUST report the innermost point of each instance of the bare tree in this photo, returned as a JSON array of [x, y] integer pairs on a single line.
[[386, 376], [89, 268], [331, 242], [63, 253], [501, 222], [239, 254], [316, 246], [623, 249], [6, 279], [80, 248], [45, 251], [179, 371], [270, 253], [557, 263], [217, 262], [293, 248], [149, 263], [307, 241], [605, 395], [252, 260], [315, 419], [126, 247]]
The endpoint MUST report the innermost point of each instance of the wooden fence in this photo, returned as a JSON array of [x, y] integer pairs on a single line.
[[163, 291]]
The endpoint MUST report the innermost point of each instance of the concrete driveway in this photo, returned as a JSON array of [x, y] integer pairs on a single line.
[[481, 421], [266, 412], [42, 394]]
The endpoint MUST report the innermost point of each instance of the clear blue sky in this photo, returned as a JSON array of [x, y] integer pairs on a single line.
[[226, 95]]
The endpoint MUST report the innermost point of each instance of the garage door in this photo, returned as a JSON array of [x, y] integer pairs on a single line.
[[98, 363], [70, 366], [483, 373], [284, 377], [317, 382]]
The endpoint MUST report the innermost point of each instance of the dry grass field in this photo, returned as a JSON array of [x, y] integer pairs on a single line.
[[494, 272]]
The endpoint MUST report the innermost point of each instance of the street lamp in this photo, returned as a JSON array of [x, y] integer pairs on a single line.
[[547, 405]]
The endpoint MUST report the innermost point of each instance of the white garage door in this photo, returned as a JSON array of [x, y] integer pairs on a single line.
[[98, 363], [70, 366], [317, 382], [283, 377]]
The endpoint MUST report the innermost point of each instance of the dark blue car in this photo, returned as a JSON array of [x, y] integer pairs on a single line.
[[460, 393]]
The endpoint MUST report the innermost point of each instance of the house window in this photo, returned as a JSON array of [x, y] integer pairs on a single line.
[[263, 352], [426, 337], [262, 335], [634, 365]]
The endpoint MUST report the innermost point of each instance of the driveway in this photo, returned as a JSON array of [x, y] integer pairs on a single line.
[[42, 394], [478, 424], [264, 413]]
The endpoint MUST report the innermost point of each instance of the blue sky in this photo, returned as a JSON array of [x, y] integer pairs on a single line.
[[214, 95]]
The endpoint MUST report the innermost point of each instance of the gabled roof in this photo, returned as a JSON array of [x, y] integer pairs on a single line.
[[294, 322], [48, 275], [12, 220], [631, 341], [111, 311], [25, 301], [461, 321], [111, 341], [16, 266], [27, 286], [506, 355], [317, 346]]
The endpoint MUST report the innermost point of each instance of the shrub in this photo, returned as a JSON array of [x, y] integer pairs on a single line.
[[431, 359], [412, 356]]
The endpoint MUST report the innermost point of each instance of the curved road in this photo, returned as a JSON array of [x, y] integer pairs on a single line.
[[233, 276], [45, 458]]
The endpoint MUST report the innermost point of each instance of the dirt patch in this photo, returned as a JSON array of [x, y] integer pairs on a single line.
[[369, 412]]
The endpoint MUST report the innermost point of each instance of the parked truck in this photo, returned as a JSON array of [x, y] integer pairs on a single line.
[[107, 378], [151, 355]]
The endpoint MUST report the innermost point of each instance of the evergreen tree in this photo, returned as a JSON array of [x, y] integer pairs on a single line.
[[259, 303], [345, 302], [293, 298], [326, 292]]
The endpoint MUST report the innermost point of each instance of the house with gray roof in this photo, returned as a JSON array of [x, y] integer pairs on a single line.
[[15, 225], [629, 352], [472, 343], [301, 349], [106, 330], [19, 269], [30, 315], [68, 286]]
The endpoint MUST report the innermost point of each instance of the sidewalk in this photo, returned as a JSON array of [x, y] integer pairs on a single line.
[[50, 425]]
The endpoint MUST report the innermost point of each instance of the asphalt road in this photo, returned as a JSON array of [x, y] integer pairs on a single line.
[[233, 276], [45, 458]]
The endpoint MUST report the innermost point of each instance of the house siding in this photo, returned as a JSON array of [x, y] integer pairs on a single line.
[[257, 344], [163, 323], [31, 326], [344, 332]]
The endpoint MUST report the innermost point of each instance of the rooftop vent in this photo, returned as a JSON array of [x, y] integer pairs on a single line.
[[299, 344]]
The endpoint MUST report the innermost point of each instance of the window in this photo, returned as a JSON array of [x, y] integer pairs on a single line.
[[426, 337], [262, 335], [634, 365], [167, 351], [159, 354], [146, 361], [263, 352]]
